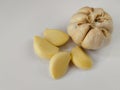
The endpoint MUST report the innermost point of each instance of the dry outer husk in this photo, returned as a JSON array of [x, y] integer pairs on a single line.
[[90, 28]]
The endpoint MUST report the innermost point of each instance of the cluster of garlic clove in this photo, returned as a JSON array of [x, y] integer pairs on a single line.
[[47, 47], [90, 28]]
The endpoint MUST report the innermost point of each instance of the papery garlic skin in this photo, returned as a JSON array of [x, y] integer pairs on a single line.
[[90, 28]]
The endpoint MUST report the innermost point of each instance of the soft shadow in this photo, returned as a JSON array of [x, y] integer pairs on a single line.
[[30, 49], [71, 70], [68, 46], [99, 55]]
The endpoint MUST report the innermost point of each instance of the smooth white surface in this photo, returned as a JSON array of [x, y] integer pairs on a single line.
[[21, 69]]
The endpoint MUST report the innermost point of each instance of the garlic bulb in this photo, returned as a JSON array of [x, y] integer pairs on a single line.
[[90, 28]]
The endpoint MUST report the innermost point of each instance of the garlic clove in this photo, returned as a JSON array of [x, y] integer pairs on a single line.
[[105, 24], [71, 28], [43, 48], [80, 59], [98, 12], [94, 39], [59, 64], [80, 17], [56, 37], [79, 33]]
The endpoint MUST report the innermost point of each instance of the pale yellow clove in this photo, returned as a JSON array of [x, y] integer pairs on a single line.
[[43, 48], [80, 59], [59, 64], [56, 37]]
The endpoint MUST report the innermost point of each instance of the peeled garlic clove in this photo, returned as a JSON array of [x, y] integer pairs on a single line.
[[94, 39], [43, 48], [80, 59], [56, 37], [59, 64]]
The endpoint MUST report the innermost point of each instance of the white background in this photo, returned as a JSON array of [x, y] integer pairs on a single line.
[[21, 69]]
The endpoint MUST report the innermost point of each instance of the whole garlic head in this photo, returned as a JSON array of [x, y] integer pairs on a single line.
[[90, 28]]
